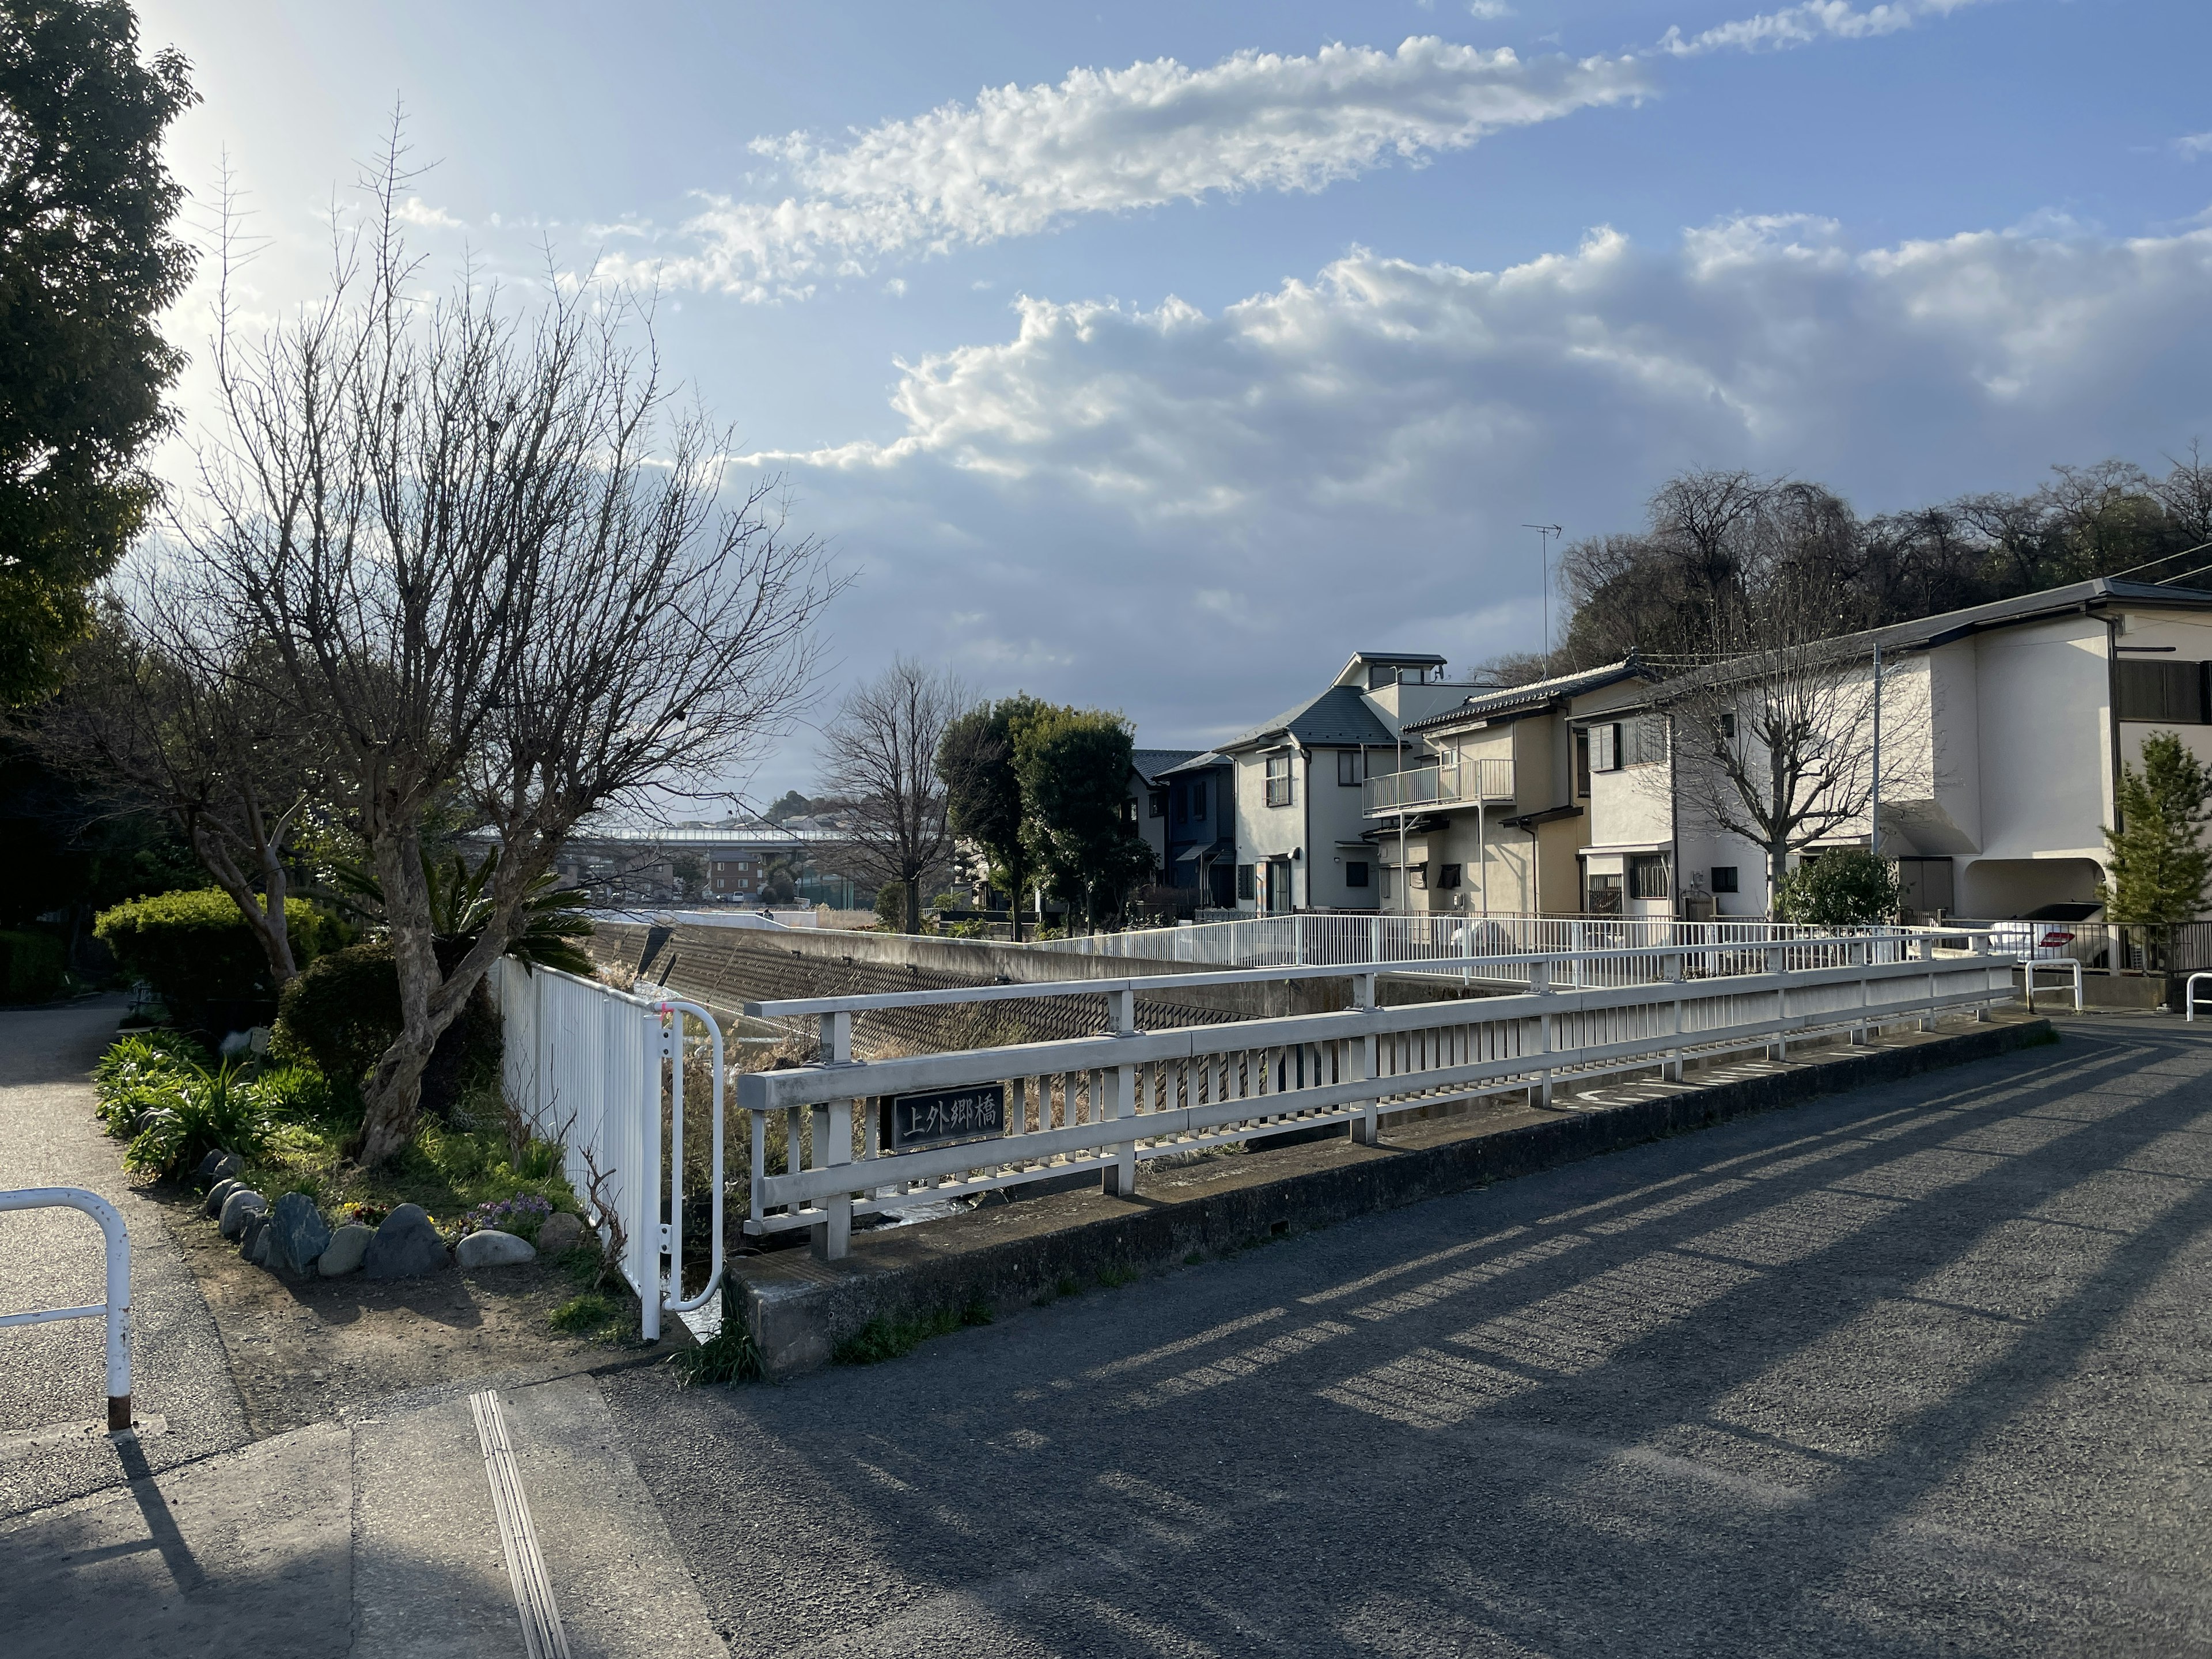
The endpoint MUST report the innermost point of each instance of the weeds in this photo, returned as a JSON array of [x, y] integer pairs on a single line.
[[881, 1339], [589, 1315], [1112, 1279], [729, 1356]]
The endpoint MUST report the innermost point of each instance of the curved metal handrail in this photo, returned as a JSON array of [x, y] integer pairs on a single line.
[[116, 1310]]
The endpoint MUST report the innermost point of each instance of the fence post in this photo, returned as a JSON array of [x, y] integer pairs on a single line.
[[832, 1237], [1670, 1070], [1539, 982], [1364, 1128], [642, 1186], [1777, 963], [1119, 1178], [1862, 955]]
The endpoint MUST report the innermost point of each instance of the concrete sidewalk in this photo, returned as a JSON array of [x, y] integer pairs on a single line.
[[54, 1378]]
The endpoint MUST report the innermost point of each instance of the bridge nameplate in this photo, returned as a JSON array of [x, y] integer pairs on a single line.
[[944, 1116]]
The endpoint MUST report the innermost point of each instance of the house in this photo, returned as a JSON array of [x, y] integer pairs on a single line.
[[1200, 829], [1148, 797], [1299, 784]]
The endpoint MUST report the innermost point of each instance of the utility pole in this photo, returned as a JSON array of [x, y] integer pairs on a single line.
[[1544, 534], [1874, 805]]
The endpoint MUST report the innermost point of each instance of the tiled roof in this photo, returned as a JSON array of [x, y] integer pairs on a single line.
[[1151, 762], [1338, 717], [1534, 694]]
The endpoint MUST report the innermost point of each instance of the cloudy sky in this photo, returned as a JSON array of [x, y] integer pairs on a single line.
[[1158, 357]]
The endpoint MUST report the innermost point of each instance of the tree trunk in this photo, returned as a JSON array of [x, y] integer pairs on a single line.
[[1778, 871], [911, 889]]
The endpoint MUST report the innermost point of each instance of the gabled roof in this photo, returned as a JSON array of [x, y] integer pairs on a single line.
[[1211, 758], [1151, 762], [1537, 694], [1339, 717]]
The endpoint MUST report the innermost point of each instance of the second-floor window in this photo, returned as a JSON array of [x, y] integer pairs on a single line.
[[1280, 787], [1198, 801], [1348, 768], [2171, 693], [1647, 876]]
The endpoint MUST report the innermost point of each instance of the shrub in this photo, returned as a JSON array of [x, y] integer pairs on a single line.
[[196, 950], [341, 1012], [141, 1072], [30, 967], [521, 1215], [1847, 888], [211, 1108]]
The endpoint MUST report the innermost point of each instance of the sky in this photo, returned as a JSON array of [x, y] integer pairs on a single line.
[[1157, 358]]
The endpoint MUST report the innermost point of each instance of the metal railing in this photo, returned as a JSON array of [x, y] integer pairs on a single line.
[[597, 1069], [935, 1126], [1307, 939], [116, 1310], [2105, 947], [1441, 786]]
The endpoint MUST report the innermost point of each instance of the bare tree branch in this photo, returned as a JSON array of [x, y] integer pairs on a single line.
[[880, 753]]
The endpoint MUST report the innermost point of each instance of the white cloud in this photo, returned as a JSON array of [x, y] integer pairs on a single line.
[[421, 214], [1489, 11], [1022, 160], [1801, 26], [2194, 144], [1202, 511]]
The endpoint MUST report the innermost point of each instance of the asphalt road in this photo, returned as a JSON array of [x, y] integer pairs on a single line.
[[1917, 1371], [53, 1378]]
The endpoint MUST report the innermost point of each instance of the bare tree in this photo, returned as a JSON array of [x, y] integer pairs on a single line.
[[487, 559], [880, 753], [164, 715], [1773, 737]]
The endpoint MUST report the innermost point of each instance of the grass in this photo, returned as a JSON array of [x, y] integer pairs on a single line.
[[729, 1356], [1112, 1279], [584, 1316], [881, 1339]]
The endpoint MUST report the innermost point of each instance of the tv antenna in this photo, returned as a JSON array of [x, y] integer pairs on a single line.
[[1544, 534]]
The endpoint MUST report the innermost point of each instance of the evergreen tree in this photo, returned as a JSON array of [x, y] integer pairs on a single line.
[[2160, 866], [86, 265]]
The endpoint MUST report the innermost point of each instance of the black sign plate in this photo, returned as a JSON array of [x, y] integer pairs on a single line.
[[945, 1117]]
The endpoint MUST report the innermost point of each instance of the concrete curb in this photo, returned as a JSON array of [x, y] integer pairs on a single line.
[[799, 1309]]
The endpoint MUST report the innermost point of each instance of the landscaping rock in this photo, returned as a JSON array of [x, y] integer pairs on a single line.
[[218, 1165], [249, 1241], [243, 1202], [346, 1250], [260, 1245], [560, 1233], [405, 1246], [493, 1248], [299, 1234], [222, 1190]]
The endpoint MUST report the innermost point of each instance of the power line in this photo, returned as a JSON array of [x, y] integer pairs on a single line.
[[1544, 534]]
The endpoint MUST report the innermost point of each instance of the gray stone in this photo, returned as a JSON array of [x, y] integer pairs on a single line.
[[249, 1241], [243, 1201], [299, 1234], [343, 1254], [493, 1248], [405, 1246], [260, 1243], [222, 1190], [218, 1165], [560, 1233]]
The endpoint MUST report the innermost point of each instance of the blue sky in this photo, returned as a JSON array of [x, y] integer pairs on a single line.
[[1157, 356]]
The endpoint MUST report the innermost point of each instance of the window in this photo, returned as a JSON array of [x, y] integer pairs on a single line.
[[1245, 885], [1198, 801], [1643, 741], [1356, 873], [1448, 875], [1647, 876], [1603, 896], [1727, 730], [1724, 878], [1348, 768], [1418, 876], [1160, 803], [1279, 781], [2172, 693], [1582, 761], [1605, 748]]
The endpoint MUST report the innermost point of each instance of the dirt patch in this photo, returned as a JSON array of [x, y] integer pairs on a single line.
[[302, 1350]]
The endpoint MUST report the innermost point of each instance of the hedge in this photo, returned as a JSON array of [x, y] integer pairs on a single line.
[[30, 967], [195, 949]]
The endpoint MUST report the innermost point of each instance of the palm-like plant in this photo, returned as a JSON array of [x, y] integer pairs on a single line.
[[551, 920]]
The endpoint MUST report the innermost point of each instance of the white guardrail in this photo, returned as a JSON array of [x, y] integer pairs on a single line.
[[116, 1310], [601, 1071], [1343, 940], [939, 1125]]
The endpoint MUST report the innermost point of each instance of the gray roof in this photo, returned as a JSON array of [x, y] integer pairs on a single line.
[[1525, 699], [1207, 762], [1151, 762], [1339, 718]]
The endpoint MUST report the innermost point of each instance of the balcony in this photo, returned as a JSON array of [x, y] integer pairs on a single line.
[[1485, 780]]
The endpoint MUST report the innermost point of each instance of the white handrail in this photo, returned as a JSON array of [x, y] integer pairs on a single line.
[[673, 1293], [116, 1310], [2189, 997], [2031, 967]]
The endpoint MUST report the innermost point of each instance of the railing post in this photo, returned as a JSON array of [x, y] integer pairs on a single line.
[[1862, 955], [115, 1238], [1366, 1127], [1119, 1178], [1777, 963], [833, 1144], [1670, 1070], [1539, 982]]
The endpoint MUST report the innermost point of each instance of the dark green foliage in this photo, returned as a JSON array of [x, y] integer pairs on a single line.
[[195, 949], [209, 1108], [1073, 764], [729, 1355], [1112, 1279], [583, 1315], [983, 790], [2159, 866], [141, 1072], [87, 265], [1848, 888], [343, 1012], [552, 918], [30, 967], [884, 1338]]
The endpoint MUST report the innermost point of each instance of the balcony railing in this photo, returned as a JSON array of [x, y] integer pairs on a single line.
[[1441, 786]]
